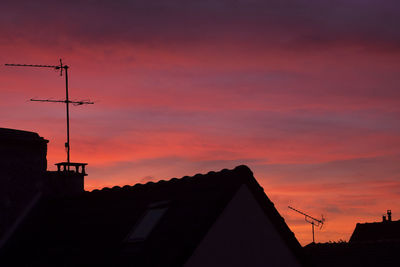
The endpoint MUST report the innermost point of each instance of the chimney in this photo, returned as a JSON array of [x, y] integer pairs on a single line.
[[383, 218], [67, 180], [389, 214]]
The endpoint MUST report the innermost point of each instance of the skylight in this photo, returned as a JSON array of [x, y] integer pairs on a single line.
[[147, 223]]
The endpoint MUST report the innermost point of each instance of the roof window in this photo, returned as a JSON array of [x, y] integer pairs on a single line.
[[147, 223]]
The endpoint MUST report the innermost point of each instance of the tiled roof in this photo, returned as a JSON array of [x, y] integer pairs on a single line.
[[91, 229], [377, 231]]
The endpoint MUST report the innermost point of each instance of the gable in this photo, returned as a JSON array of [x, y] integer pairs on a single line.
[[242, 236]]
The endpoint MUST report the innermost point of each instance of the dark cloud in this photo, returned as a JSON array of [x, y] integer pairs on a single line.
[[293, 24]]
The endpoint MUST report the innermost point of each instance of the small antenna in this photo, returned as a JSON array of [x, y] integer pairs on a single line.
[[311, 220], [60, 67]]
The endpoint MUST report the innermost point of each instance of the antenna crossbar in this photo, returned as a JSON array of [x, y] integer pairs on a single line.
[[313, 221], [33, 65], [306, 215], [60, 67], [76, 103]]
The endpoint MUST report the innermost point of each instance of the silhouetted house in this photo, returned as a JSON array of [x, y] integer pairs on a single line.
[[217, 219], [371, 244], [387, 230], [24, 178], [22, 165]]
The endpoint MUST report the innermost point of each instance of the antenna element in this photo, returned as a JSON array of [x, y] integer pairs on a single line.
[[311, 220], [60, 67]]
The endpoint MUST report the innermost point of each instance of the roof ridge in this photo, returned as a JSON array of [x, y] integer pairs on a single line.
[[239, 168], [9, 133], [384, 222]]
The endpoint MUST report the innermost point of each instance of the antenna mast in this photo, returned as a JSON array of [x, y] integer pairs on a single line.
[[60, 67], [311, 220]]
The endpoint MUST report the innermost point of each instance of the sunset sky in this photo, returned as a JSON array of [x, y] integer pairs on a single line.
[[306, 93]]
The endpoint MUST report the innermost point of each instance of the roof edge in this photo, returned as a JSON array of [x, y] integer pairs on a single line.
[[241, 169]]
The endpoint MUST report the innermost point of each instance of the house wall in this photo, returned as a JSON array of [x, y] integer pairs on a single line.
[[242, 236], [22, 166]]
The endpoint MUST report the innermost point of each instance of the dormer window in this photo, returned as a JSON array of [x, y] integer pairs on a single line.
[[148, 221]]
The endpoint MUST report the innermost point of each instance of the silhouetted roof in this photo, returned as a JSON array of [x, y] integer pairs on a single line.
[[371, 244], [377, 231], [91, 229], [6, 133], [380, 253], [12, 134]]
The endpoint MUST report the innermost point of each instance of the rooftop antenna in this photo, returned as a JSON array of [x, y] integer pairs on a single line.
[[312, 221], [60, 67]]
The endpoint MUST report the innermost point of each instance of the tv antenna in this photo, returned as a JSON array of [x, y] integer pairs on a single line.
[[60, 67], [312, 221]]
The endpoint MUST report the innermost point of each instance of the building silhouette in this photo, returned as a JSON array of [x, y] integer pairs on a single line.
[[371, 244], [215, 219]]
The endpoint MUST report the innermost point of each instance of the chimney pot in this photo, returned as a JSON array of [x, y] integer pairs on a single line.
[[383, 218]]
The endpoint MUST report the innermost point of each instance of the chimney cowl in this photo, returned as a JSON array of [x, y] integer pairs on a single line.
[[389, 214]]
